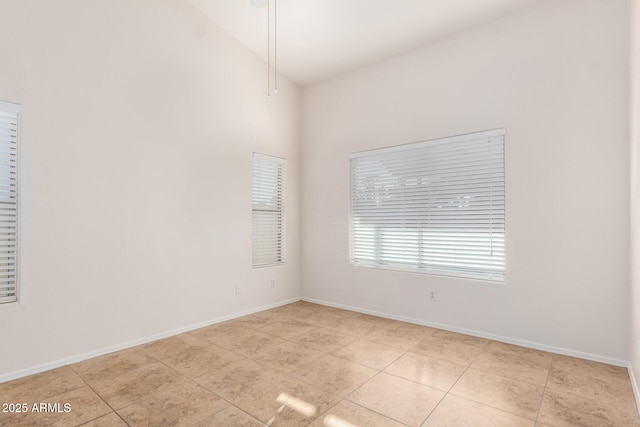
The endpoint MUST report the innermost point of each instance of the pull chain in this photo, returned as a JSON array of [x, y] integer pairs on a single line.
[[275, 47]]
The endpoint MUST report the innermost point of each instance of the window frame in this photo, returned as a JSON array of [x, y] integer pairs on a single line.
[[13, 108], [417, 250], [280, 165]]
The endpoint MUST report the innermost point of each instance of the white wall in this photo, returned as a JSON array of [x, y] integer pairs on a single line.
[[139, 122], [556, 77], [634, 344]]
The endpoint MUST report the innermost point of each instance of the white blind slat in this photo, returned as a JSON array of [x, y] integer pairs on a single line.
[[435, 207]]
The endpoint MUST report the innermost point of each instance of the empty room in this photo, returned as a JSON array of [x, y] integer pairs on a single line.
[[320, 213]]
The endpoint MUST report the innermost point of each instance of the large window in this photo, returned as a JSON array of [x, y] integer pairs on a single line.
[[432, 207], [9, 128], [268, 210]]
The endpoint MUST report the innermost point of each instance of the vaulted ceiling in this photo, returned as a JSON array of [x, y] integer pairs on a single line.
[[318, 39]]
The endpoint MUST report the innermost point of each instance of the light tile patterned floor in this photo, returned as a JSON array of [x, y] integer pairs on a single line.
[[341, 366]]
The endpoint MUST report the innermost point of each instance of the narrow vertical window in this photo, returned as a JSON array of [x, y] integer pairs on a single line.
[[9, 137], [435, 207], [268, 210]]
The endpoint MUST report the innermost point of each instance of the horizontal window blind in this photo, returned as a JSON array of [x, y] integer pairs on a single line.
[[434, 207], [268, 210], [9, 128]]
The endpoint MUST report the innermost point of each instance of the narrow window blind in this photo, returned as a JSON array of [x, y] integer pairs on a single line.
[[268, 210], [9, 128], [434, 207]]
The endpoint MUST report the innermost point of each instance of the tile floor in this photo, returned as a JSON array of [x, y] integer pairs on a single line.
[[332, 368]]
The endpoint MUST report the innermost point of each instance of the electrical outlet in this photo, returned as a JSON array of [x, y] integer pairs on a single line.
[[273, 283], [432, 296], [237, 289]]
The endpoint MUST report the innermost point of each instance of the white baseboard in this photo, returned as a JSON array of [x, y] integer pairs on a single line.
[[106, 350], [508, 340]]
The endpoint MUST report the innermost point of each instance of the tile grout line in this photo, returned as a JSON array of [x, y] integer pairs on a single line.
[[226, 400], [372, 410], [355, 403], [456, 382], [224, 409], [502, 376], [544, 390], [101, 398]]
